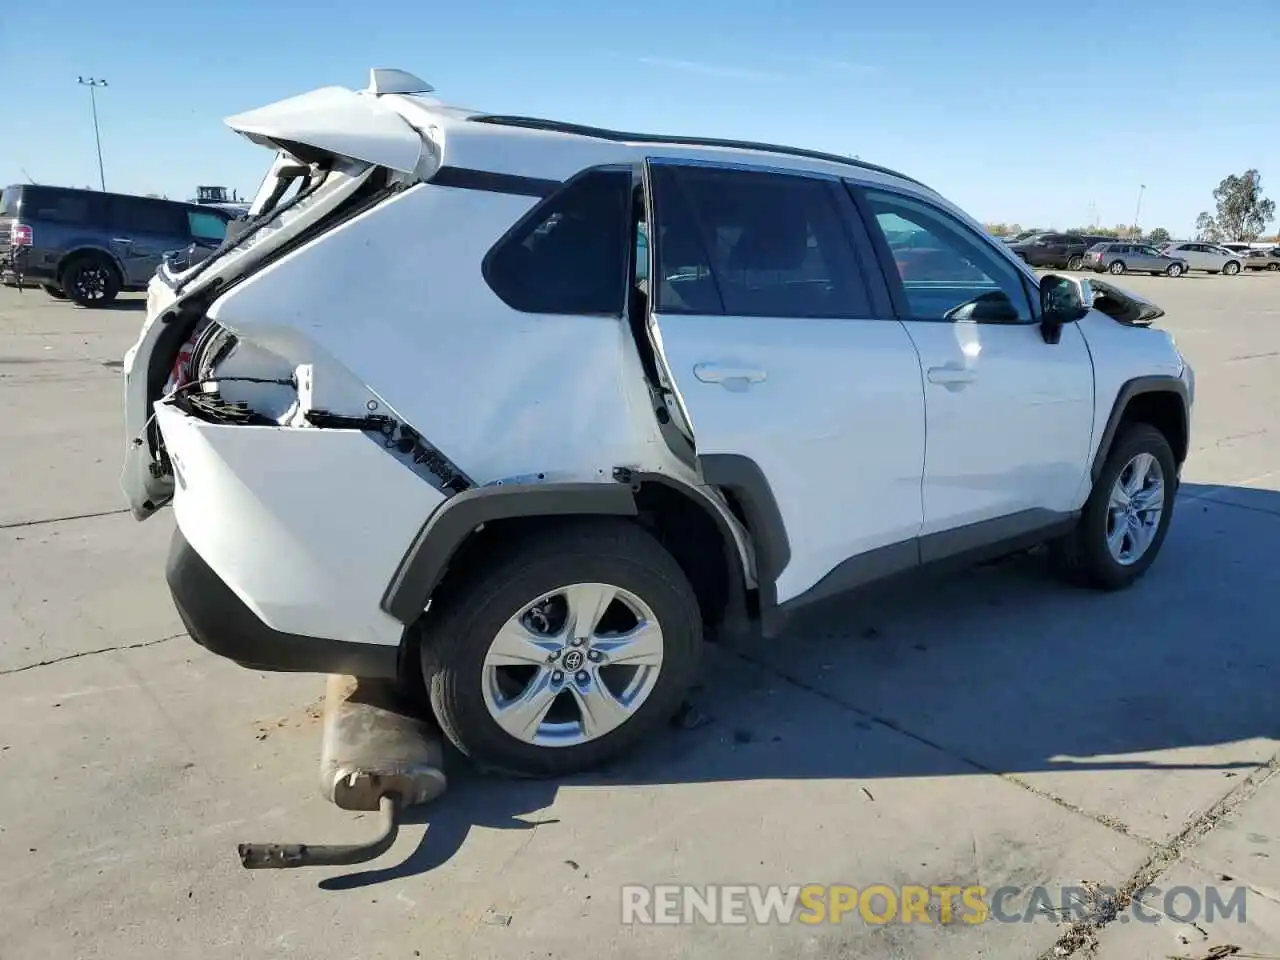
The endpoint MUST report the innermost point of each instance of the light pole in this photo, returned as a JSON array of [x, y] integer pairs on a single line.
[[93, 83], [1137, 213]]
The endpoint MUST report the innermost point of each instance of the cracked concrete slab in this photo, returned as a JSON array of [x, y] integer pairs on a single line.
[[80, 585], [1137, 706], [783, 787]]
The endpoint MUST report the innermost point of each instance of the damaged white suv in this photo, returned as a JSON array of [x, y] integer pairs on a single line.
[[528, 409]]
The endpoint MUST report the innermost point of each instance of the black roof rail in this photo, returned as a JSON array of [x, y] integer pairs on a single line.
[[619, 136]]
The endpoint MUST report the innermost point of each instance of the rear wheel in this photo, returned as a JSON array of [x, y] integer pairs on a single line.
[[1075, 263], [91, 281], [1117, 267], [1273, 267], [1127, 515], [1174, 270], [1231, 268], [564, 651]]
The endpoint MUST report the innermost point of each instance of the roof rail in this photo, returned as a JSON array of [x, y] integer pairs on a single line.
[[618, 136], [387, 80]]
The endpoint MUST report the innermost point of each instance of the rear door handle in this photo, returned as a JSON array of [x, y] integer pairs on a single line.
[[719, 373], [122, 239], [952, 375]]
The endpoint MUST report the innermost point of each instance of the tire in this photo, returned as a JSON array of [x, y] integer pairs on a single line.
[[91, 281], [55, 292], [1075, 263], [1231, 268], [1117, 267], [1173, 270], [457, 637], [1084, 556], [1273, 267]]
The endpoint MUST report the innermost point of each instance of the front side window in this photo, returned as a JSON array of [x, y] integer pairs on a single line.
[[947, 271], [206, 226], [570, 254], [753, 243]]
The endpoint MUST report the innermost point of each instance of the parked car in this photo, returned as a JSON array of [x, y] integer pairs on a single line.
[[1239, 249], [617, 472], [1052, 250], [1208, 257], [88, 245], [1263, 259], [1122, 257]]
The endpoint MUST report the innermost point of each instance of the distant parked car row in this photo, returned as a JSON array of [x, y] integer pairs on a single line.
[[1263, 259], [1056, 251]]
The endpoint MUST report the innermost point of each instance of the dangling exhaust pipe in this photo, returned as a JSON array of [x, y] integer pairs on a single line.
[[377, 754]]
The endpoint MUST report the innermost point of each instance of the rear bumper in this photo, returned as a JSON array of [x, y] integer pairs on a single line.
[[289, 537], [222, 623]]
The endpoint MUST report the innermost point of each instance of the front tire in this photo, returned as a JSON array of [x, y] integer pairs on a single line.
[[1273, 267], [1075, 263], [1126, 518], [1231, 268], [564, 650], [1174, 270], [1116, 268], [91, 281]]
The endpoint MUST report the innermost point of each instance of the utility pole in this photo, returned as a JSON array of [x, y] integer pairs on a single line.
[[92, 83], [1137, 213]]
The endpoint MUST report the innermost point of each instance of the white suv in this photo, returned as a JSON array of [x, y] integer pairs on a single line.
[[426, 415]]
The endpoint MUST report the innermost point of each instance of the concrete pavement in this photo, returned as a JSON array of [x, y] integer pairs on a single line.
[[996, 728]]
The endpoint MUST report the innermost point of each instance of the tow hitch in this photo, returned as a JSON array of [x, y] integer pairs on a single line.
[[376, 755]]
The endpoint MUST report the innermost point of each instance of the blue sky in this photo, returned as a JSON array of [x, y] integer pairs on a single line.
[[1018, 111]]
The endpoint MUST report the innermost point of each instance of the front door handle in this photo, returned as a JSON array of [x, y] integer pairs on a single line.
[[953, 376], [125, 240], [720, 373]]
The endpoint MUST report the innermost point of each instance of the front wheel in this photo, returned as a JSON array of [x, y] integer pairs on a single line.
[[1075, 263], [1231, 269], [1174, 270], [1116, 268], [1273, 267], [1127, 515], [564, 652]]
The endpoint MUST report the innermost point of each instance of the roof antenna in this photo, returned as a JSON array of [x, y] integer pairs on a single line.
[[387, 80], [27, 175]]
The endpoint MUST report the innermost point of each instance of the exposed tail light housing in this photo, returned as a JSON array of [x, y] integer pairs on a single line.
[[20, 235]]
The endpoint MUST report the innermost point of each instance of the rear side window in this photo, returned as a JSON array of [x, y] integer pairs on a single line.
[[753, 244], [9, 202], [59, 206], [570, 254], [143, 215]]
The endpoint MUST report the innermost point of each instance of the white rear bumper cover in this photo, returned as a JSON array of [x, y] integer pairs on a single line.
[[304, 526]]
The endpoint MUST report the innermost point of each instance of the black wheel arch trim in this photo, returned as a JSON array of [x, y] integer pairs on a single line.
[[1159, 383], [742, 477], [423, 565], [79, 253]]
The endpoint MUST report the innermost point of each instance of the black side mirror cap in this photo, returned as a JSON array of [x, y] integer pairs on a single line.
[[1063, 300]]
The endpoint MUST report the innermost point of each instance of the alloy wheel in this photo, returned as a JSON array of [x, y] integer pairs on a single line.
[[573, 665], [91, 283], [1134, 509]]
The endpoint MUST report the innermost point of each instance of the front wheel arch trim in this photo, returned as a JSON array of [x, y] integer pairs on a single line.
[[1164, 383]]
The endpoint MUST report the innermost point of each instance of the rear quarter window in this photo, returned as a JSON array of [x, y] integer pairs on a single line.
[[60, 206], [569, 255], [9, 202]]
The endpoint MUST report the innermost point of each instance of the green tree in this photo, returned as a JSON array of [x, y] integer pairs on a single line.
[[1159, 235], [1243, 212]]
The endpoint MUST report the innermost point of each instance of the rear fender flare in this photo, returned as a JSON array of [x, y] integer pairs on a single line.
[[424, 564]]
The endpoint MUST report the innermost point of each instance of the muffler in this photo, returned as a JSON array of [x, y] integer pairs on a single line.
[[379, 754]]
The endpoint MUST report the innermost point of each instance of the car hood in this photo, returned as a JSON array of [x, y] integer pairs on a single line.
[[338, 121]]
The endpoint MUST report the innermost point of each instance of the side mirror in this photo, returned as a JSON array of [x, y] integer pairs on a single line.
[[1063, 300]]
